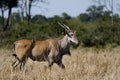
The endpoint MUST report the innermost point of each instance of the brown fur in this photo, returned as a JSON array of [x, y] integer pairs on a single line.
[[38, 51]]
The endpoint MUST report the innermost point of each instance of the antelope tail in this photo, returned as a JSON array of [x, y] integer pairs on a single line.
[[14, 53]]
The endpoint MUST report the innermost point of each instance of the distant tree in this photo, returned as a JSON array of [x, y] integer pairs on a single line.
[[39, 19], [21, 5], [84, 17], [106, 15], [108, 6], [10, 4], [26, 5], [116, 17], [55, 19], [3, 7], [15, 18], [107, 3], [66, 16], [95, 12], [29, 10]]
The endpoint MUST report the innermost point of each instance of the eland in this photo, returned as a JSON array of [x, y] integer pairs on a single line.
[[51, 50]]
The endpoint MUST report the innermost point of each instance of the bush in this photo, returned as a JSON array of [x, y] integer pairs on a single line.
[[97, 33]]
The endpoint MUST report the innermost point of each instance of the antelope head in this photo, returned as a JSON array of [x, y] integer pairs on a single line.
[[70, 34]]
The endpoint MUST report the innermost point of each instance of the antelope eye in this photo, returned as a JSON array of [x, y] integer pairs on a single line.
[[71, 34]]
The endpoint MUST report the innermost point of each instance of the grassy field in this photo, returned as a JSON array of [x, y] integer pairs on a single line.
[[84, 64]]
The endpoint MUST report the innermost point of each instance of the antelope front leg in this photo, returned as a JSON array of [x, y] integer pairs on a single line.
[[22, 65], [60, 64]]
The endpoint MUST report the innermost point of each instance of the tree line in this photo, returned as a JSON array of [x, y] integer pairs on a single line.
[[96, 27]]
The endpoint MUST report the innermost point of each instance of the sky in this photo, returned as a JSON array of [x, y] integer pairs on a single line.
[[71, 7], [57, 7]]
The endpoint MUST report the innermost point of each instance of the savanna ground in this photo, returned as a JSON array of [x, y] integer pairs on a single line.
[[84, 64]]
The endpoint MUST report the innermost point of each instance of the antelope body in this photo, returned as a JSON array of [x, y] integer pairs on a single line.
[[51, 50]]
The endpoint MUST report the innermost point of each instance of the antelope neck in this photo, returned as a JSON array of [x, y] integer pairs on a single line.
[[64, 41]]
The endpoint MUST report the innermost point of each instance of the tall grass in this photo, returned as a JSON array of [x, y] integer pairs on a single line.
[[84, 64]]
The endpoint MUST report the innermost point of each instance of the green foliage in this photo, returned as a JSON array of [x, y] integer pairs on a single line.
[[84, 17], [15, 17], [99, 32], [39, 19]]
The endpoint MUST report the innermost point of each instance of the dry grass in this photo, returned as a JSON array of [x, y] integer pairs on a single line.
[[84, 64]]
